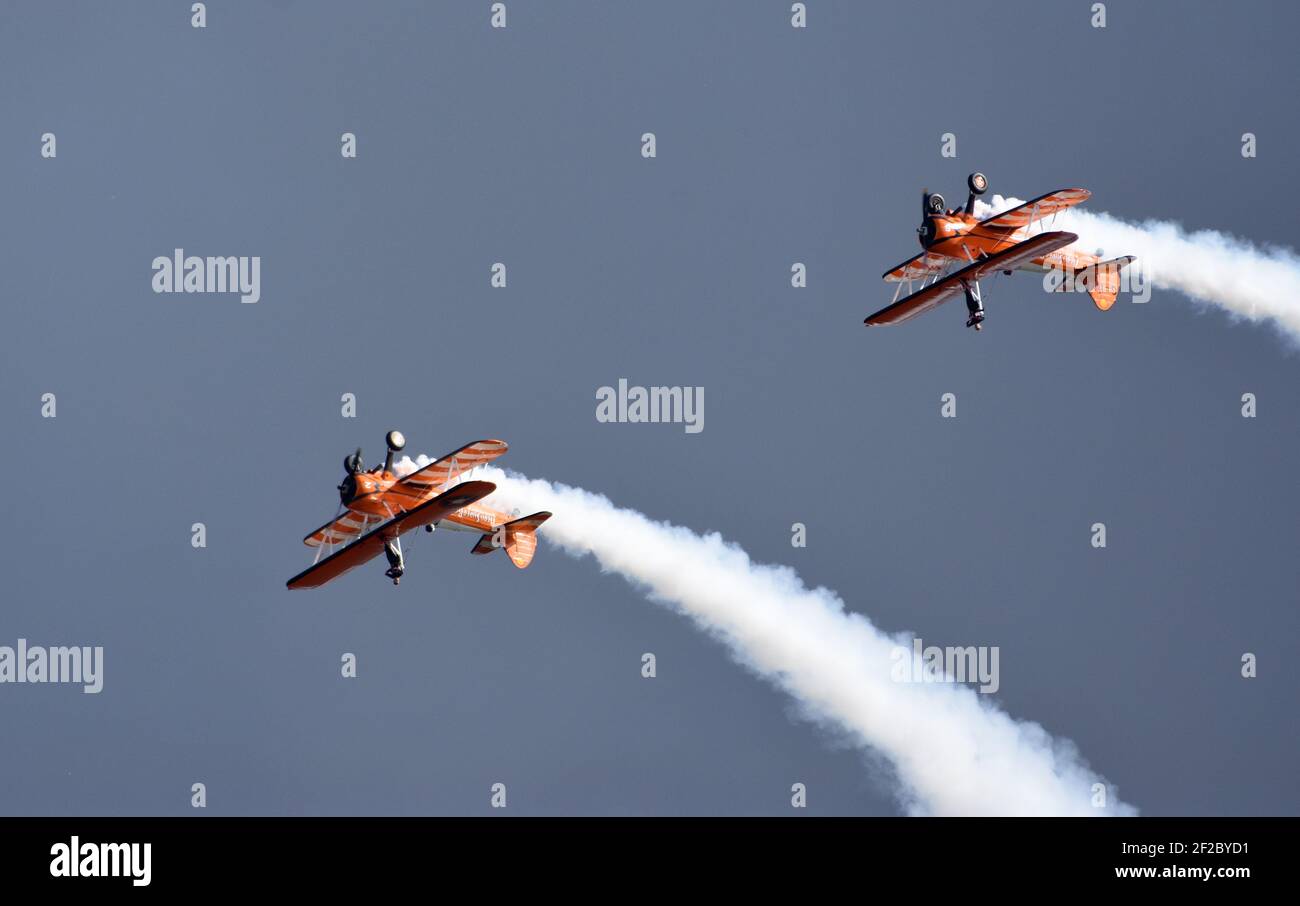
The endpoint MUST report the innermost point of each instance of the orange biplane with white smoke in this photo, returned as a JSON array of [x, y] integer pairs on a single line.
[[959, 249], [381, 507]]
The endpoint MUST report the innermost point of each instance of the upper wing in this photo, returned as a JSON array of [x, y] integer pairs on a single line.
[[922, 267], [445, 468], [1037, 209], [938, 293], [336, 564]]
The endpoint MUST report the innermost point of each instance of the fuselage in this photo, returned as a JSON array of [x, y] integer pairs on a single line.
[[376, 497], [959, 236]]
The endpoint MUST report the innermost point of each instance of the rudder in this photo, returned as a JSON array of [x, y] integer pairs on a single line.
[[1104, 281], [521, 538]]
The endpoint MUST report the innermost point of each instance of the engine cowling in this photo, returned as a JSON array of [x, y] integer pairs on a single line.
[[931, 206]]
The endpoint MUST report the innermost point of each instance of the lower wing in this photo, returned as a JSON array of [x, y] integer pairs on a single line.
[[937, 293], [372, 544]]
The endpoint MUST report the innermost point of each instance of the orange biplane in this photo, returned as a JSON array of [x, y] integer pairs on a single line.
[[381, 507], [960, 249]]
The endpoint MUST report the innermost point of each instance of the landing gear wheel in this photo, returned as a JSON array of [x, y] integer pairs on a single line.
[[978, 183]]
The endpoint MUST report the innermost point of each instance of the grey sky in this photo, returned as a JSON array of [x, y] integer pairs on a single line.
[[521, 145]]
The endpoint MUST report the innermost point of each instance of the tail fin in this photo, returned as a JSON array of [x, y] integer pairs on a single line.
[[520, 539], [1104, 276]]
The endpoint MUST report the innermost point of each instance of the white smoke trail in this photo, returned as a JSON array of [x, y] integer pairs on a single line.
[[954, 752], [1251, 283]]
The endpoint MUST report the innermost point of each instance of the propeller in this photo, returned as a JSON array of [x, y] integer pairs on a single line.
[[352, 464]]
